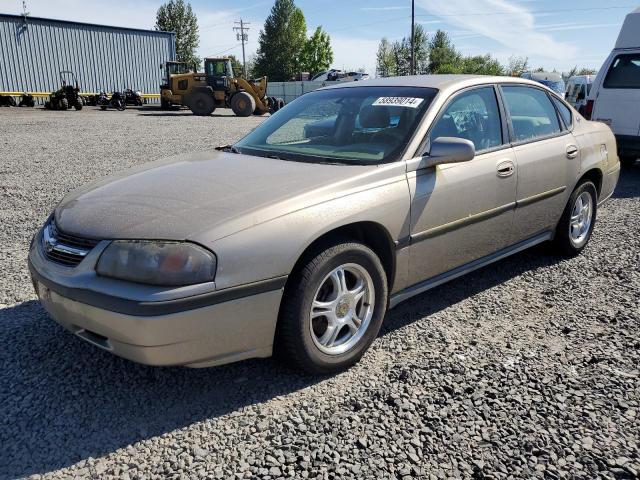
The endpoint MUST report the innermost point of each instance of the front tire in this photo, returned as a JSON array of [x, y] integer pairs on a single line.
[[202, 105], [578, 219], [333, 308], [243, 104]]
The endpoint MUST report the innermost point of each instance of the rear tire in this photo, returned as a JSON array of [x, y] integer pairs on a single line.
[[63, 104], [202, 104], [355, 307], [578, 219], [79, 104], [628, 161], [243, 104]]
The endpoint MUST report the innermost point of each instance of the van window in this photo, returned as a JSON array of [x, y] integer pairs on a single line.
[[532, 113], [624, 72]]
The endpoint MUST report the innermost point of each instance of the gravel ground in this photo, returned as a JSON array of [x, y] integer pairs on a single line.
[[528, 369]]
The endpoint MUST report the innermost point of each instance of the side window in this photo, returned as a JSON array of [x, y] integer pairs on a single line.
[[565, 112], [624, 72], [532, 113], [472, 115]]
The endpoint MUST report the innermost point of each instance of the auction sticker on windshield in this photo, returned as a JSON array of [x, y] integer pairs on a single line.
[[399, 102]]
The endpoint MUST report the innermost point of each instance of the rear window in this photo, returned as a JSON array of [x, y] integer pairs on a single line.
[[624, 72], [565, 113]]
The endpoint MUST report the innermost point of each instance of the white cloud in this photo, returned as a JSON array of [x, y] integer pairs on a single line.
[[514, 27], [352, 53]]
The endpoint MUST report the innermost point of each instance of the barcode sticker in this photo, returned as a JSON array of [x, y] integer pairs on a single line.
[[409, 102]]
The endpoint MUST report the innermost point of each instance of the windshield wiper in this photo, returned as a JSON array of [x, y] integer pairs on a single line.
[[228, 149]]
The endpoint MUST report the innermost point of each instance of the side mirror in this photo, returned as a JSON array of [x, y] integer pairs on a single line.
[[448, 150]]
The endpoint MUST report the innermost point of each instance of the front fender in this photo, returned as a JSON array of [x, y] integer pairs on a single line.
[[272, 248]]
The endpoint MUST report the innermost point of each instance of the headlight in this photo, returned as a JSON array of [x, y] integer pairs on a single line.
[[157, 262]]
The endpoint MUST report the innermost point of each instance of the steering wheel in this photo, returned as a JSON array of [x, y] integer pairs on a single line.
[[384, 137], [478, 130]]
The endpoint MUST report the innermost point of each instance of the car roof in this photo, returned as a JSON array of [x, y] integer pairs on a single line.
[[439, 82]]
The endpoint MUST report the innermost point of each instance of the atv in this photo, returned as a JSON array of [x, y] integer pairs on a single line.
[[66, 97]]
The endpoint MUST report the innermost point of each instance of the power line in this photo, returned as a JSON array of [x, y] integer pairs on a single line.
[[227, 50]]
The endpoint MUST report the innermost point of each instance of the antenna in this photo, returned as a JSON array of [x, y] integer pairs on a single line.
[[243, 37]]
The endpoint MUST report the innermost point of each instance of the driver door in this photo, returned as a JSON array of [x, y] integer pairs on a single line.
[[464, 211]]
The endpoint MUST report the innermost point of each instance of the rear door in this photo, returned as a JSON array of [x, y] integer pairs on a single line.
[[547, 155], [618, 100]]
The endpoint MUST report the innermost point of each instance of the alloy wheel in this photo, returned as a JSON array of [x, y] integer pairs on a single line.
[[581, 218], [342, 309]]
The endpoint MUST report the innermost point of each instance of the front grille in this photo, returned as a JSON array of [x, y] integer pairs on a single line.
[[63, 248], [72, 240]]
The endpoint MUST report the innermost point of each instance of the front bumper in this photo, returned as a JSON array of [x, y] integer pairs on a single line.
[[197, 331]]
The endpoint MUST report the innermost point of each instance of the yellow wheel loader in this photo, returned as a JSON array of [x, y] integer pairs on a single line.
[[217, 87], [170, 68]]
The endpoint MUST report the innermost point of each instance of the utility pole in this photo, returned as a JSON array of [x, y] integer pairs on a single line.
[[413, 39], [243, 37]]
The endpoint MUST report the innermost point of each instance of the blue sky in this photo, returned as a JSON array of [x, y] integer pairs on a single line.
[[550, 33]]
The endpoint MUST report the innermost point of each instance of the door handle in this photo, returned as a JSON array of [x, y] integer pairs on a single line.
[[572, 151], [506, 169]]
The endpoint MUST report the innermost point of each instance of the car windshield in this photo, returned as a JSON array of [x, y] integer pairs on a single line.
[[361, 125]]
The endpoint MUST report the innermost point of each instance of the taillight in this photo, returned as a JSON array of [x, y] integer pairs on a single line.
[[588, 109]]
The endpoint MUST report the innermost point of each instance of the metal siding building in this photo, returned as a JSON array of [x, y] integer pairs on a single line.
[[33, 51]]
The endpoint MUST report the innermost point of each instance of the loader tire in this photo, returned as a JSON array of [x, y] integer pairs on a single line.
[[202, 104], [63, 104], [243, 104]]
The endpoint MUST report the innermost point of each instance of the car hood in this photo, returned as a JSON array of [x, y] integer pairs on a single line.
[[177, 198]]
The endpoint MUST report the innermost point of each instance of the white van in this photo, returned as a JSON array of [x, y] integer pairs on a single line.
[[615, 95], [578, 89]]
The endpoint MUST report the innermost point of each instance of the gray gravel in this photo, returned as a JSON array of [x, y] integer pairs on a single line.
[[527, 369]]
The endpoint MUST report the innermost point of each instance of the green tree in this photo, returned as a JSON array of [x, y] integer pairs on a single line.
[[587, 71], [443, 56], [517, 66], [401, 57], [176, 16], [281, 42], [317, 54], [481, 65], [395, 59], [421, 50], [385, 62]]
